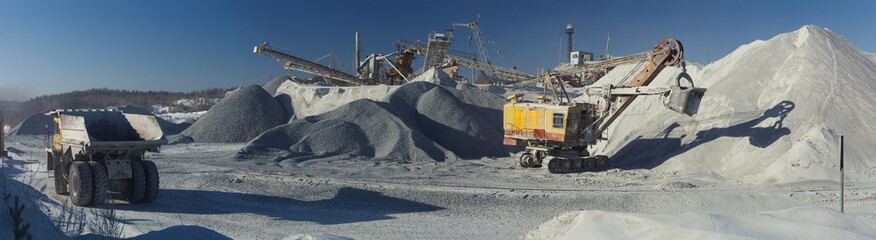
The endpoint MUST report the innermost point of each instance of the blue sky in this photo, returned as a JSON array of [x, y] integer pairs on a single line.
[[57, 46]]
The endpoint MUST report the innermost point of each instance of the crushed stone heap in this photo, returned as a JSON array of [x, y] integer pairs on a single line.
[[238, 118], [773, 113], [419, 121], [33, 125]]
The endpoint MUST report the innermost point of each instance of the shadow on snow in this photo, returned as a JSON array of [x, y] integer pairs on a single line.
[[349, 205]]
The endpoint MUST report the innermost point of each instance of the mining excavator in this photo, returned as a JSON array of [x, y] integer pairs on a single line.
[[557, 131]]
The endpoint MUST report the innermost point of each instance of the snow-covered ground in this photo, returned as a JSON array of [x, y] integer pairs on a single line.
[[185, 102], [182, 117], [476, 199], [792, 223], [17, 196], [758, 161]]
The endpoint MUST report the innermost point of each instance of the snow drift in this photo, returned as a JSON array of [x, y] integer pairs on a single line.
[[773, 113]]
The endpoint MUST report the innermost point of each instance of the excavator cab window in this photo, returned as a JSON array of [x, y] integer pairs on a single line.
[[572, 125], [558, 120]]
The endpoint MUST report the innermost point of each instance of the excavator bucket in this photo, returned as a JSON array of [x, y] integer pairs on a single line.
[[684, 100]]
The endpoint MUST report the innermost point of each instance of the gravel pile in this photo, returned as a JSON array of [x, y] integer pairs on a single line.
[[303, 100], [238, 118], [33, 125], [419, 121], [272, 86], [362, 128], [457, 126], [435, 76], [488, 106]]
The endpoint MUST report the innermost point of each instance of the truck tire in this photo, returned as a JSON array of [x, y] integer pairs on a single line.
[[98, 173], [136, 189], [60, 179], [151, 181], [80, 184]]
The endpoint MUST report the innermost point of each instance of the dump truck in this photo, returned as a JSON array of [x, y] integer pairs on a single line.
[[95, 152], [556, 131]]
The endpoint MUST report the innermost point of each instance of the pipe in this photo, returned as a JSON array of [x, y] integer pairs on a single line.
[[358, 59]]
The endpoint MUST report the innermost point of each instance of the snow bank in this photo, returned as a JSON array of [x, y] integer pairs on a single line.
[[23, 198], [419, 121], [6, 224], [240, 117], [773, 112], [181, 232], [794, 223]]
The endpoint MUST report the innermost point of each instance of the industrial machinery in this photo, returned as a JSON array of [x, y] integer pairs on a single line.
[[401, 69], [368, 71], [290, 62], [582, 70], [3, 152], [486, 65], [437, 55], [557, 132], [585, 73], [93, 152]]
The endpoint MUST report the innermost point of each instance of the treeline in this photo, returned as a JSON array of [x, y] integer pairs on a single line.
[[103, 97]]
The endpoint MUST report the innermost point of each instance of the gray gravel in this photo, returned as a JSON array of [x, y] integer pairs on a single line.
[[272, 86], [458, 126], [33, 125], [363, 128], [245, 114], [418, 122]]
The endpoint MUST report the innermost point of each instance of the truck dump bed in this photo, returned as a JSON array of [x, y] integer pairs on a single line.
[[106, 130]]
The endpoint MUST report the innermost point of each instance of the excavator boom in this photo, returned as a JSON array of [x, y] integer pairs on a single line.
[[668, 52]]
